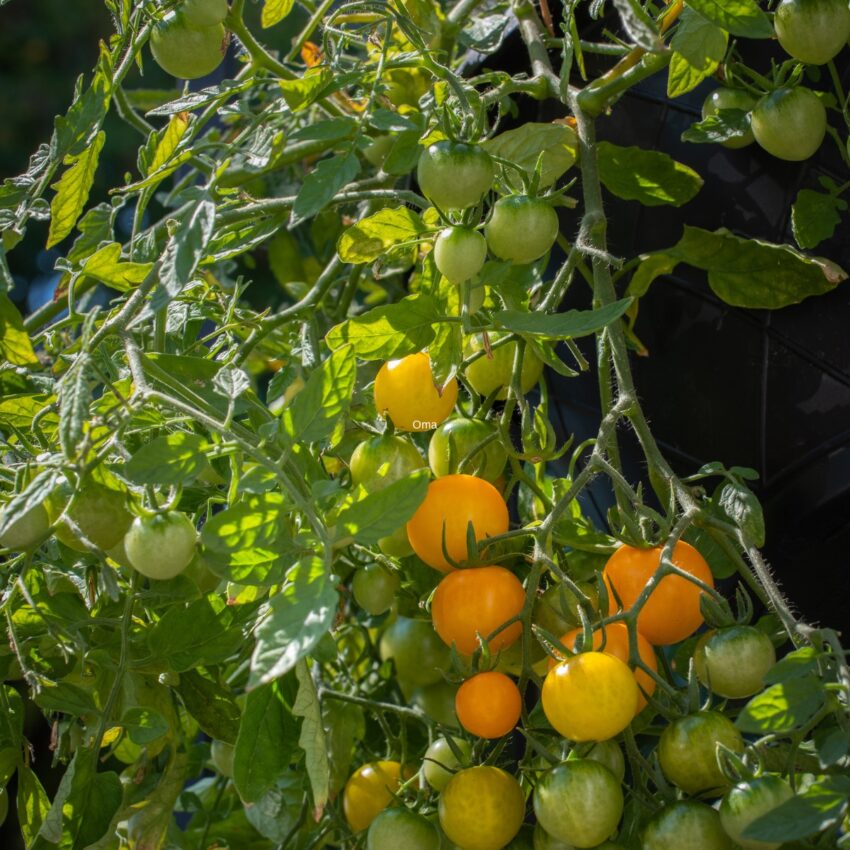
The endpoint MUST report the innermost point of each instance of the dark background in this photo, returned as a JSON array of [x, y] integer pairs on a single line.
[[768, 390]]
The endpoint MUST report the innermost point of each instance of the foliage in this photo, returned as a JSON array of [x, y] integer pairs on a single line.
[[184, 546]]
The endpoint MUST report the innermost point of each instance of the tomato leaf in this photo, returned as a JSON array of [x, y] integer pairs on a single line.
[[724, 125], [755, 274], [33, 804], [367, 517], [274, 11], [738, 17], [744, 509], [523, 146], [312, 738], [322, 183], [15, 344], [144, 725], [147, 828], [818, 808], [313, 413], [387, 332], [211, 705], [698, 48], [266, 742], [783, 707], [814, 217], [293, 623], [651, 177], [365, 241], [176, 458], [568, 325], [795, 665]]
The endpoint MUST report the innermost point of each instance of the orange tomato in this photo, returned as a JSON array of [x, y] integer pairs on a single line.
[[488, 705], [452, 502], [405, 391], [476, 601], [671, 612], [369, 791], [616, 639]]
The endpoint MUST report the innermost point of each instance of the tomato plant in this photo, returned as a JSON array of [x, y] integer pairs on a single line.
[[236, 599]]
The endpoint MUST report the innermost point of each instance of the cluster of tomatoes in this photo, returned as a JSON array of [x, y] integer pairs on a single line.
[[190, 41], [589, 698], [790, 122]]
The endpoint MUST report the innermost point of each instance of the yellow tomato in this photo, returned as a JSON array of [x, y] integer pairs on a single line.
[[405, 391], [590, 697], [369, 791]]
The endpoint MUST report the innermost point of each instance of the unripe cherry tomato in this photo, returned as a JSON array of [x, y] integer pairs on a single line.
[[459, 253], [455, 175]]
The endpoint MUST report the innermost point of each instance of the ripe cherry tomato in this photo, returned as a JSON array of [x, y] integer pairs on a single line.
[[399, 827], [452, 502], [375, 588], [441, 763], [161, 546], [734, 661], [730, 99], [747, 802], [454, 175], [203, 13], [615, 637], [672, 612], [488, 705], [477, 601], [369, 791], [812, 31], [405, 391], [380, 461], [686, 825], [790, 123], [579, 802], [452, 443], [459, 253], [687, 751], [187, 52], [490, 372], [418, 653], [590, 697], [521, 229], [26, 530], [482, 808], [98, 511]]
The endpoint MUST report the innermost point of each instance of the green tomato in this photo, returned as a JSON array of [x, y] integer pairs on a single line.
[[203, 13], [521, 229], [396, 545], [790, 123], [375, 588], [437, 702], [721, 99], [27, 530], [98, 511], [161, 546], [380, 461], [419, 654], [441, 763], [686, 825], [747, 802], [482, 808], [608, 754], [579, 802], [454, 175], [452, 443], [399, 827], [734, 661], [487, 374], [812, 31], [459, 253], [186, 52], [222, 758], [687, 751], [544, 841]]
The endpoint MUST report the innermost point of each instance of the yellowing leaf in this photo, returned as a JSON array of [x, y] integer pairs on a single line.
[[15, 345], [72, 190], [175, 131], [274, 11], [106, 266]]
